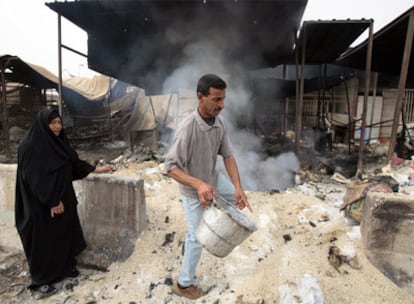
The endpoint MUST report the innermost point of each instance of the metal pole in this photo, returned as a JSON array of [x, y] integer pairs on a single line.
[[5, 112], [350, 120], [364, 107], [296, 92], [286, 112], [110, 113], [319, 112], [324, 102], [401, 84], [374, 93], [298, 127], [60, 63]]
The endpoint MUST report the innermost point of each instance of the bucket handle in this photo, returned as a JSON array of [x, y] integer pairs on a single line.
[[222, 202]]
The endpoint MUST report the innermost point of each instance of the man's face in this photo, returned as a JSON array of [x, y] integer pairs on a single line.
[[211, 105]]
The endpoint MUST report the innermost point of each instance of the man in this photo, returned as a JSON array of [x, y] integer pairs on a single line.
[[191, 161]]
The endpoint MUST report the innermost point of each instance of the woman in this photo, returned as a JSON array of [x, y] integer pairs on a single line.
[[45, 202]]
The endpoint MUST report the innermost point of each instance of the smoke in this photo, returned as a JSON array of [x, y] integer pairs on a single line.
[[221, 44], [258, 171], [165, 47], [200, 58]]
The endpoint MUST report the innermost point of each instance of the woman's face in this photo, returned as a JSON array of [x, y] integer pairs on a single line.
[[56, 126]]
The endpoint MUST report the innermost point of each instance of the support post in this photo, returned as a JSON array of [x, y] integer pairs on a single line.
[[299, 110], [364, 107], [5, 111], [401, 85], [60, 63], [374, 93]]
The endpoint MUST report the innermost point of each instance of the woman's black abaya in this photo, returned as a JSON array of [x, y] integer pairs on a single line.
[[47, 165]]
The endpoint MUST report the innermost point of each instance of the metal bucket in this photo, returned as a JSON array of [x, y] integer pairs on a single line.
[[223, 227]]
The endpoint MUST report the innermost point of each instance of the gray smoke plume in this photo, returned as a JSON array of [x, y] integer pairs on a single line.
[[258, 171], [212, 37]]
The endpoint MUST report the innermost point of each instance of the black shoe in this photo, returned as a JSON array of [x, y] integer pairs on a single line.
[[73, 273], [46, 289]]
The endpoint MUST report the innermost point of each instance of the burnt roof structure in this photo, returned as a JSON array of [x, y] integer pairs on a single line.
[[142, 42], [326, 40], [387, 51], [17, 70]]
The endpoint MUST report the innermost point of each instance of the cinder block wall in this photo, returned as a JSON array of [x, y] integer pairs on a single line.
[[111, 208]]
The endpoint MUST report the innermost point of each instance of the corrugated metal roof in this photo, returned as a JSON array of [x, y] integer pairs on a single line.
[[138, 40], [387, 51], [142, 41], [325, 41], [16, 70], [19, 71]]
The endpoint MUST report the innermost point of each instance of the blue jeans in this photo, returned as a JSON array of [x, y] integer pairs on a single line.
[[193, 213]]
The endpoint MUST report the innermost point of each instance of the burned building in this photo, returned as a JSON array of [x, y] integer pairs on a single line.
[[288, 78]]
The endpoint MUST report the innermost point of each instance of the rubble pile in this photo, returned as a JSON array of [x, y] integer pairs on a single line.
[[305, 250]]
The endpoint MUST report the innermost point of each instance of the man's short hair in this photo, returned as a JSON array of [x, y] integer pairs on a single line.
[[210, 81]]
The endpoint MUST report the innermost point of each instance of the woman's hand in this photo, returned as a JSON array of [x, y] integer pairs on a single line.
[[56, 210], [103, 169]]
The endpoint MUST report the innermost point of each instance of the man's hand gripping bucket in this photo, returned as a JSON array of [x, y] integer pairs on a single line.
[[223, 227]]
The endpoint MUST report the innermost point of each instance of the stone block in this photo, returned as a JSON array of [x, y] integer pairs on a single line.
[[112, 213], [7, 193], [387, 231]]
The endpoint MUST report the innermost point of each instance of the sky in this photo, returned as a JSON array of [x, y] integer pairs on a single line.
[[28, 29]]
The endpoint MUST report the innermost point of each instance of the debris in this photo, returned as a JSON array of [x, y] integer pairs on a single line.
[[396, 161], [169, 238], [304, 290], [339, 178], [277, 212], [336, 258], [355, 196], [166, 281]]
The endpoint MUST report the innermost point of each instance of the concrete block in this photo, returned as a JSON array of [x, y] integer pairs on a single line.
[[112, 213], [7, 193], [387, 231]]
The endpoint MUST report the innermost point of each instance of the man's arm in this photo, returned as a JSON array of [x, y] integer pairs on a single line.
[[233, 172], [205, 191]]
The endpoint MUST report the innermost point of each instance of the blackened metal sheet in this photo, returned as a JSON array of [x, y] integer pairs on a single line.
[[387, 51], [19, 71], [142, 42], [325, 41]]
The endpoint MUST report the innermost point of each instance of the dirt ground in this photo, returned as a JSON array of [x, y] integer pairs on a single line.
[[285, 261]]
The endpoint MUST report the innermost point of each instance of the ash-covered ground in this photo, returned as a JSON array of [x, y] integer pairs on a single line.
[[305, 249]]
